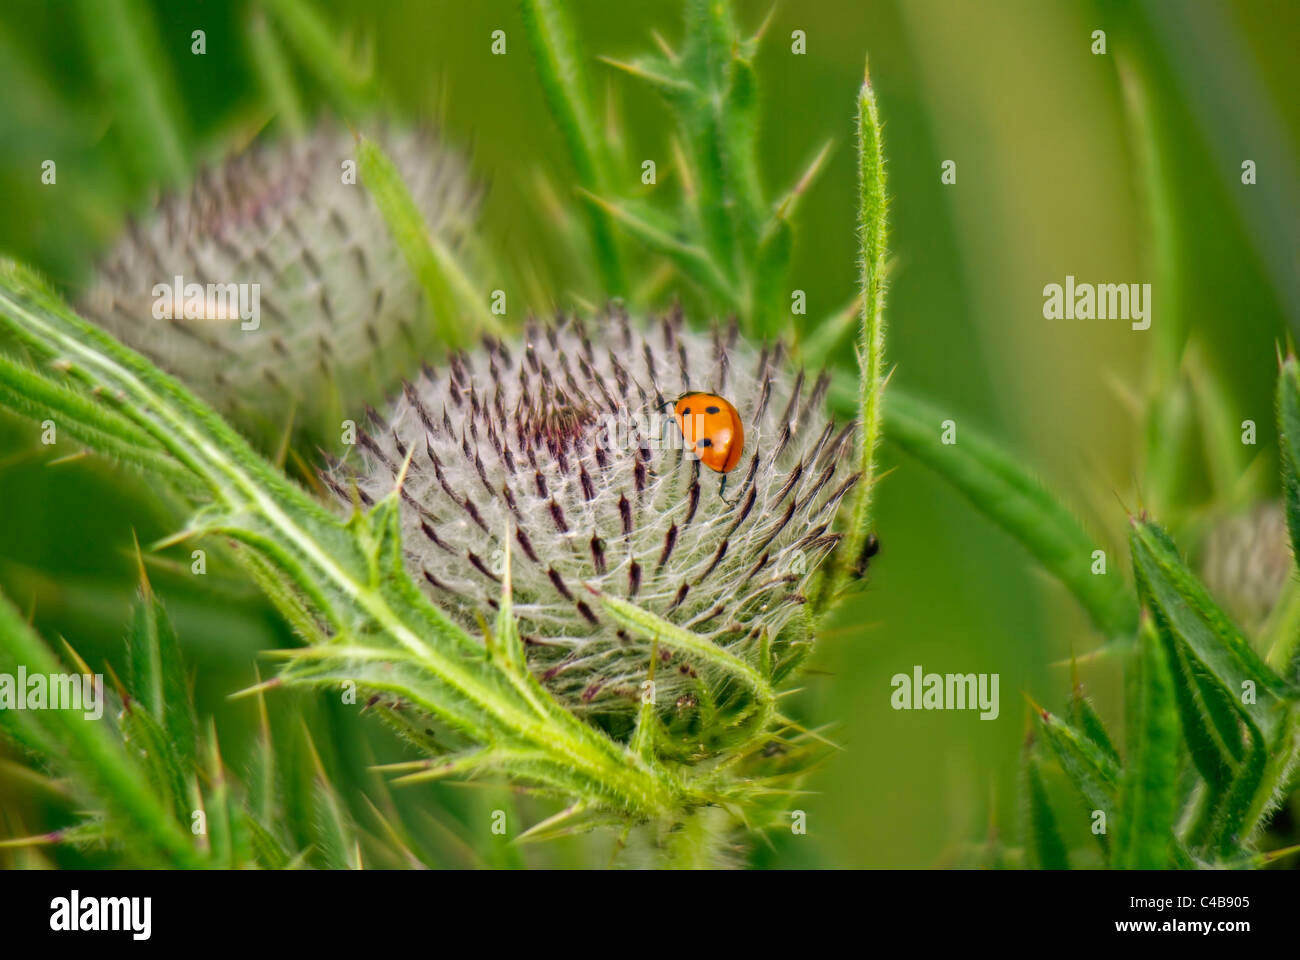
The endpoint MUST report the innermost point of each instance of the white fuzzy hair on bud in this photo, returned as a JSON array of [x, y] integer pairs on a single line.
[[514, 441], [340, 313]]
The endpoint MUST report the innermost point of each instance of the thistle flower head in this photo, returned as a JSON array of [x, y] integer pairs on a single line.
[[292, 299], [1246, 560], [562, 454]]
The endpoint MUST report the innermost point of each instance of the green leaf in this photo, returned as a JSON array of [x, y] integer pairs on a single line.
[[335, 840], [1184, 608], [1091, 768], [872, 232], [657, 233], [85, 418], [1209, 752], [771, 289], [1009, 495], [1144, 825], [1046, 848], [1288, 430], [156, 677], [1084, 716], [378, 607], [149, 743], [105, 766], [1222, 685]]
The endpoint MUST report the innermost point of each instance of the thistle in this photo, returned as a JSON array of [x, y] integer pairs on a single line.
[[555, 451], [1246, 561], [287, 228]]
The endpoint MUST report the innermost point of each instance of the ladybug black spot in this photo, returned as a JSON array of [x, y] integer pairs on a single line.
[[713, 410], [686, 412], [706, 442]]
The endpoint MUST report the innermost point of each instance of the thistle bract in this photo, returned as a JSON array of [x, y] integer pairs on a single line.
[[561, 453], [274, 288]]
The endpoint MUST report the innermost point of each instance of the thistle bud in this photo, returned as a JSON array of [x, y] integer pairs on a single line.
[[273, 286], [563, 453], [1246, 560]]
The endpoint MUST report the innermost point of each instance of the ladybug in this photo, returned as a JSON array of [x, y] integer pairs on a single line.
[[712, 428]]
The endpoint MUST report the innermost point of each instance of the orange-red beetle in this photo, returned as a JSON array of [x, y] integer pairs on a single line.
[[712, 428]]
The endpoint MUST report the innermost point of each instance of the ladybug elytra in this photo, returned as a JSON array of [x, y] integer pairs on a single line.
[[712, 429]]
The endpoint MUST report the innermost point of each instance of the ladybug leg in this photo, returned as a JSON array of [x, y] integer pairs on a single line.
[[722, 490]]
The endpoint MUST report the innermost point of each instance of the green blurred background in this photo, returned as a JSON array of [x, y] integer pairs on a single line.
[[1046, 186]]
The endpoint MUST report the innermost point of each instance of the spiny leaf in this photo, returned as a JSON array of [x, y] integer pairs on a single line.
[[150, 743], [1222, 683], [1184, 608], [1084, 716], [321, 557], [1091, 769], [872, 227], [1147, 809], [156, 677], [86, 419], [652, 627], [656, 232], [1288, 429], [105, 766], [1046, 848]]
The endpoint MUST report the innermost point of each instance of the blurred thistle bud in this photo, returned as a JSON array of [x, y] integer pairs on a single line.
[[1245, 562], [567, 445], [273, 286]]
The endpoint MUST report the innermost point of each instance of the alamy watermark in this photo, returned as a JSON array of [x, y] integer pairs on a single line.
[[75, 913], [1098, 301], [653, 430], [946, 691], [55, 691], [179, 300]]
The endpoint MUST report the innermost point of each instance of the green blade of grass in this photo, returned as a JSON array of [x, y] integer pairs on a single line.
[[131, 61], [267, 57], [432, 263], [1002, 489], [351, 90], [561, 67]]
